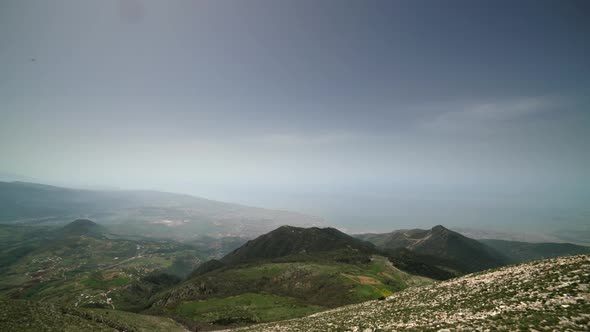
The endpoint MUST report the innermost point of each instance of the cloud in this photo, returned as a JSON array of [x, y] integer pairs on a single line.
[[484, 117], [307, 140]]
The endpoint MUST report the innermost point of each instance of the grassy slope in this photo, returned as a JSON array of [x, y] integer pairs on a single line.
[[546, 295], [298, 288], [143, 323], [245, 308], [18, 315]]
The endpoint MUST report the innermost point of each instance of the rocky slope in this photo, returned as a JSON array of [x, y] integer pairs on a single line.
[[545, 295]]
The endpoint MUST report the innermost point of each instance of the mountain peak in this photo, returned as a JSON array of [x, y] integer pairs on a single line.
[[82, 227], [439, 228], [467, 254], [287, 228], [289, 240]]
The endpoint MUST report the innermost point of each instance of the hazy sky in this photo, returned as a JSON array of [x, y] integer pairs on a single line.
[[365, 112]]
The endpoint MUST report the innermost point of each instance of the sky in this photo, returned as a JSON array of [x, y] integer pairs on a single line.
[[371, 114]]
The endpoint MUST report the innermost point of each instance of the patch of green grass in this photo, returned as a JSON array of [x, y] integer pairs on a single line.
[[325, 284], [94, 283], [366, 291], [255, 272], [141, 323], [34, 289], [245, 308], [119, 281]]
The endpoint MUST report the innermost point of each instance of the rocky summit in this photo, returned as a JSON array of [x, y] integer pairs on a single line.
[[545, 295]]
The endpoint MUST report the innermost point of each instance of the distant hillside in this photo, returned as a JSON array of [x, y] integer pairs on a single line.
[[549, 295], [329, 244], [578, 236], [146, 213], [530, 237], [518, 252], [82, 227], [78, 264], [289, 240], [467, 254]]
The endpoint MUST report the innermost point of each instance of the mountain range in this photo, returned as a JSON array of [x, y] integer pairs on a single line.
[[318, 268], [322, 268], [290, 272], [465, 254], [93, 273]]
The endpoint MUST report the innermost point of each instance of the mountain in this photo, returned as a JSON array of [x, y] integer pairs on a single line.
[[83, 227], [289, 240], [518, 252], [548, 295], [141, 213], [296, 243], [275, 290], [12, 177], [467, 255], [289, 272]]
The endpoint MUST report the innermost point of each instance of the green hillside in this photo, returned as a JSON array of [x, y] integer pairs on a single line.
[[547, 295], [88, 278], [83, 227], [28, 316], [305, 286], [289, 240], [80, 265], [300, 270]]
